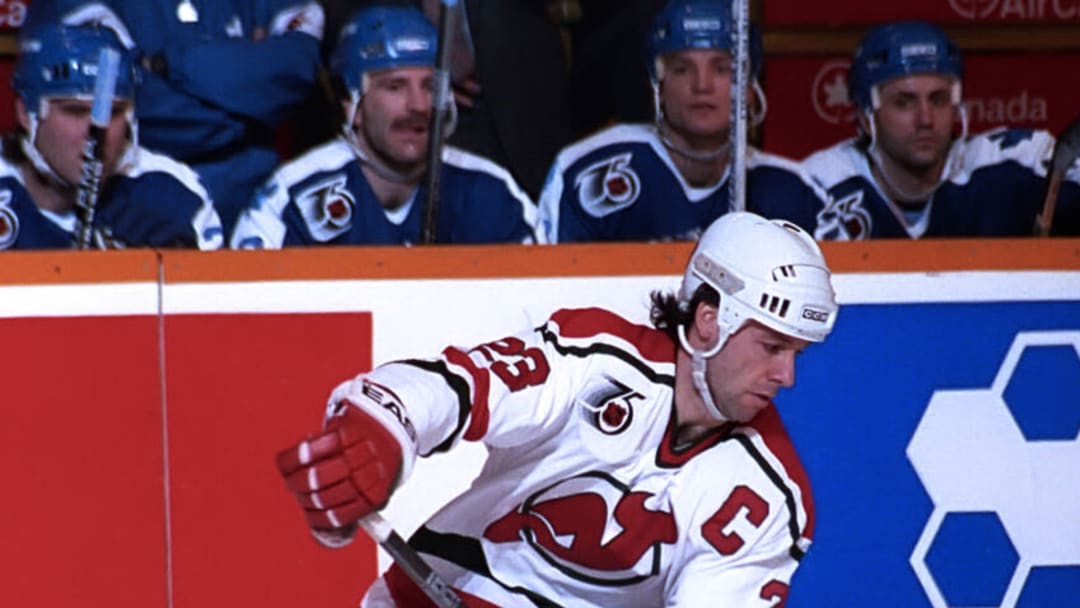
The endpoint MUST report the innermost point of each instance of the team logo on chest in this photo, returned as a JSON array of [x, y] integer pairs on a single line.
[[608, 186], [9, 222], [844, 219], [592, 528], [327, 208], [611, 406]]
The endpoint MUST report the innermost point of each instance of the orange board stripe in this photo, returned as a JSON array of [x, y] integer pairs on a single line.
[[512, 261]]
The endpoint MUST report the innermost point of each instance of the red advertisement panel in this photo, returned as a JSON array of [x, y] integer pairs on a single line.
[[240, 388], [857, 12], [809, 108], [83, 492]]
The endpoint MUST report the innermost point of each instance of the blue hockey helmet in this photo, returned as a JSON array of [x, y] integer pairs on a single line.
[[901, 49], [61, 61], [697, 24], [382, 38]]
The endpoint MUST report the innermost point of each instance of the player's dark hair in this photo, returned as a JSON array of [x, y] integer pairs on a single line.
[[667, 315]]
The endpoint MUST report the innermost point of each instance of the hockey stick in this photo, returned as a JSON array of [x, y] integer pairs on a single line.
[[414, 566], [440, 106], [1065, 154], [93, 154], [740, 83]]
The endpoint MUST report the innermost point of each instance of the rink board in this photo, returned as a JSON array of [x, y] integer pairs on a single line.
[[148, 392]]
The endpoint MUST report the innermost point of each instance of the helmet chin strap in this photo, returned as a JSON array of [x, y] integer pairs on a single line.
[[26, 142], [380, 168], [875, 150], [128, 157], [662, 130], [756, 118], [698, 360]]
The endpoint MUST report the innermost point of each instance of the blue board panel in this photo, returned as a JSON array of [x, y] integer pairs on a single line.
[[857, 403]]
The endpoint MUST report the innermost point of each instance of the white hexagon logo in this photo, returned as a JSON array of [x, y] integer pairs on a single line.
[[972, 456]]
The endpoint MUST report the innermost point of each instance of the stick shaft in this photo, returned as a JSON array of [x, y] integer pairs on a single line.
[[1044, 220], [93, 155], [1066, 150], [440, 105], [740, 83], [410, 562]]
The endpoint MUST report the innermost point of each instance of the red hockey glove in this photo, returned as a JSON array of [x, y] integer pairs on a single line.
[[344, 473]]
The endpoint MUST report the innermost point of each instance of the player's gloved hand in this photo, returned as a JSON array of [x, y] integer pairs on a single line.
[[344, 473]]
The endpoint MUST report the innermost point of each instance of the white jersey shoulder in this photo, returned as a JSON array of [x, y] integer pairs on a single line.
[[260, 225], [615, 135], [836, 164], [153, 162], [760, 158], [463, 159], [330, 156], [1031, 150]]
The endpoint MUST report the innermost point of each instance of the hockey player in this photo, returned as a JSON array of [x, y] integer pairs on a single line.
[[364, 187], [670, 180], [908, 174], [628, 465], [146, 199], [218, 79]]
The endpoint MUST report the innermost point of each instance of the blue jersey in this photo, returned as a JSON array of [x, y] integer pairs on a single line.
[[153, 201], [323, 197], [222, 93], [621, 184], [994, 184]]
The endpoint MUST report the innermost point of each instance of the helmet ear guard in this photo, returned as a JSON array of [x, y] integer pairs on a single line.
[[896, 50], [382, 38], [901, 49], [62, 61], [768, 271], [696, 24]]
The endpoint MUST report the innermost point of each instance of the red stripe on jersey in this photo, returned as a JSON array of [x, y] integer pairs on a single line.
[[479, 414], [407, 594], [771, 428], [651, 343]]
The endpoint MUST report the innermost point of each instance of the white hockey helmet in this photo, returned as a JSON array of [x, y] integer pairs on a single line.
[[770, 271]]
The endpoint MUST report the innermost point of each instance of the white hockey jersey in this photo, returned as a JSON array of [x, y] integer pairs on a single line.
[[585, 498]]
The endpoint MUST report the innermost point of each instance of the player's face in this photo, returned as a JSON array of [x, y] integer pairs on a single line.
[[754, 364], [63, 131], [394, 116], [915, 121], [695, 94]]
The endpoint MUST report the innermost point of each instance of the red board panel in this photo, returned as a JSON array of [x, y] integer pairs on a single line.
[[240, 388], [83, 496], [809, 108], [858, 12]]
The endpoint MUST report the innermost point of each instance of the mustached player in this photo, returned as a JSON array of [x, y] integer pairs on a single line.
[[365, 187], [628, 465], [669, 180], [909, 173]]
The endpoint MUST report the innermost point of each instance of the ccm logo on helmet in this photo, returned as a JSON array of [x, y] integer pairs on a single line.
[[815, 315]]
